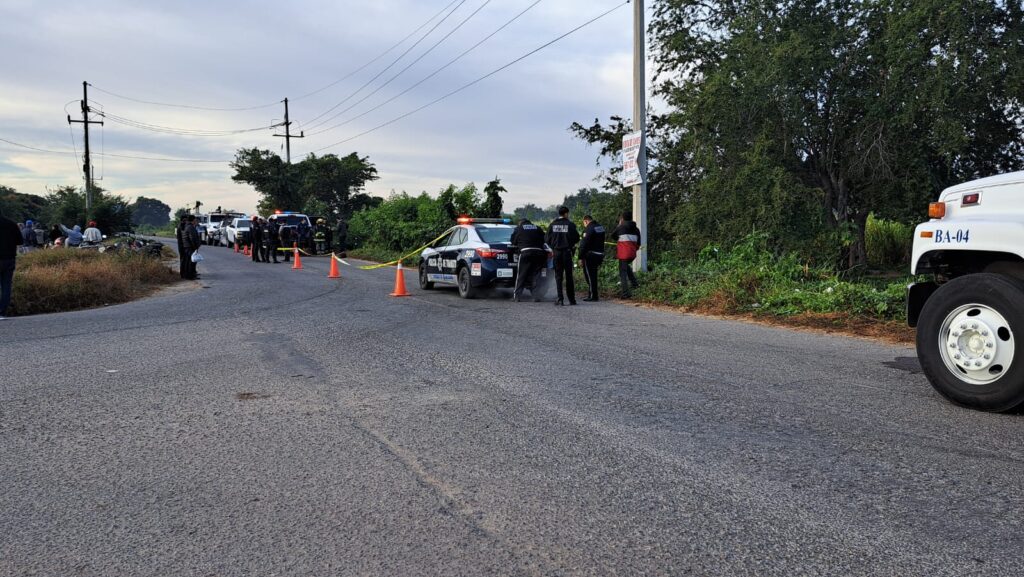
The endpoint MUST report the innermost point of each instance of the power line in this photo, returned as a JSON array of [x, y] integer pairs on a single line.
[[189, 106], [111, 154], [432, 74], [478, 80], [402, 71], [313, 123], [271, 104], [180, 131]]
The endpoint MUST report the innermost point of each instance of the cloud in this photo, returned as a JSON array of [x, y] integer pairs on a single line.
[[513, 124]]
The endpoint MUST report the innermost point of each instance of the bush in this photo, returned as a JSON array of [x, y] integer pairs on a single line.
[[888, 243], [47, 281], [750, 278]]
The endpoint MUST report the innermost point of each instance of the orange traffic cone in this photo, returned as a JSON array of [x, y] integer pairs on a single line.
[[245, 251], [334, 268], [298, 259], [400, 283]]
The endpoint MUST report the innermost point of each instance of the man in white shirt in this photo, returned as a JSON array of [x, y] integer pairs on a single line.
[[92, 235]]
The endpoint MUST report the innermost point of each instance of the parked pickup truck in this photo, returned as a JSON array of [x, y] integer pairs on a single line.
[[236, 232]]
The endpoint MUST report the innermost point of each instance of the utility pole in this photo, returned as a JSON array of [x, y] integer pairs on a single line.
[[640, 125], [87, 165], [288, 136]]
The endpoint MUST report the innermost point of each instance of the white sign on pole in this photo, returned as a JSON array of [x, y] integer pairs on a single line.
[[630, 159]]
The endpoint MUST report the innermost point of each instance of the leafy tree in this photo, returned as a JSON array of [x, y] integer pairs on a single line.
[[846, 106], [150, 211], [321, 185], [20, 207], [491, 207], [66, 205]]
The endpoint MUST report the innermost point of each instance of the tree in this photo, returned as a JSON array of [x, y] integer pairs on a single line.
[[66, 205], [320, 185], [20, 207], [851, 107], [150, 211], [491, 207]]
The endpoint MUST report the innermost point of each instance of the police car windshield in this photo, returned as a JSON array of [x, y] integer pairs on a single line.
[[494, 234], [242, 223]]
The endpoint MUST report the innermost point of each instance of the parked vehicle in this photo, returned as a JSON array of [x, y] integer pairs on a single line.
[[969, 313], [236, 232], [209, 225]]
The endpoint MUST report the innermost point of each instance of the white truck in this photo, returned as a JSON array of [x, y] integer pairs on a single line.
[[969, 313]]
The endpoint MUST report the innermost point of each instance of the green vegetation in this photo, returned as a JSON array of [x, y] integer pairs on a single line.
[[47, 281], [66, 205]]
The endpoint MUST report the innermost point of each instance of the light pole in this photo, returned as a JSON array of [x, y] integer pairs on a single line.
[[640, 125]]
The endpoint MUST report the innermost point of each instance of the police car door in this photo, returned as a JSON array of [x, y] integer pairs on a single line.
[[450, 253], [433, 256]]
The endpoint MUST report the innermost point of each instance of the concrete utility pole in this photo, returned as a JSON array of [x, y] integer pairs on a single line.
[[288, 136], [640, 125], [87, 165]]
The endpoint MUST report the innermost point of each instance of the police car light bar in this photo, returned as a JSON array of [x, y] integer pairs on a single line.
[[471, 220]]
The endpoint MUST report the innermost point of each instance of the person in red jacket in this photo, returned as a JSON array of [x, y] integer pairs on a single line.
[[627, 244]]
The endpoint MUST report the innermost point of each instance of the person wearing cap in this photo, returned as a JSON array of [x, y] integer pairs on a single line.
[[92, 235], [562, 238]]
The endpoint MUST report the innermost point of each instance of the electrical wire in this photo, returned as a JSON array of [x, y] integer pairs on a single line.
[[270, 104], [113, 155], [402, 71], [313, 123], [432, 74], [478, 80], [181, 131]]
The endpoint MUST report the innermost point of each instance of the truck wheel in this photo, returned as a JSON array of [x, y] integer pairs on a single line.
[[424, 283], [966, 341], [466, 289]]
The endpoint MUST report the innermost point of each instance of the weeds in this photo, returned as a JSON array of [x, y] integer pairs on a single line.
[[47, 281]]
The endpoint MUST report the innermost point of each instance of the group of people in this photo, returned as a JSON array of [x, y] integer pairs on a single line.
[[563, 237], [33, 234]]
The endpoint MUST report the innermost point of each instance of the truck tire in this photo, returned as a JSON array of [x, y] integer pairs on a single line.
[[966, 341], [424, 283], [465, 282]]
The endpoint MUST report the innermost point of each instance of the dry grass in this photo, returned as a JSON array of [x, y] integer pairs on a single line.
[[48, 281]]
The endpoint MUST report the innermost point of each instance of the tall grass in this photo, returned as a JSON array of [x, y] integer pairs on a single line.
[[888, 243], [47, 281]]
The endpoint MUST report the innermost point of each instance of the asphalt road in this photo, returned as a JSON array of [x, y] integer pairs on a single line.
[[275, 422]]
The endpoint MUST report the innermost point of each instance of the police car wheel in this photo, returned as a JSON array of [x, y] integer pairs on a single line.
[[466, 289], [424, 283], [966, 341]]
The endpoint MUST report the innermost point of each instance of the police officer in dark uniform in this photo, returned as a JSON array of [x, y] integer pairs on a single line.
[[179, 232], [256, 238], [270, 233], [591, 254], [191, 242], [528, 241], [562, 238]]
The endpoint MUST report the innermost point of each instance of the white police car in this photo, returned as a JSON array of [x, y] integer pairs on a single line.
[[474, 255]]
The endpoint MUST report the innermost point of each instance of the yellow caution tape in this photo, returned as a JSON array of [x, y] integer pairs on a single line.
[[401, 258], [283, 249]]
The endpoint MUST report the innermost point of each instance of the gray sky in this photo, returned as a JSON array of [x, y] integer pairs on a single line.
[[233, 54]]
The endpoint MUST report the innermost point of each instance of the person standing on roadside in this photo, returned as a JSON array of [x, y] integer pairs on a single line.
[[562, 238], [10, 238], [287, 234], [342, 236], [192, 242], [528, 241], [591, 254], [256, 238], [179, 234], [627, 245], [270, 234]]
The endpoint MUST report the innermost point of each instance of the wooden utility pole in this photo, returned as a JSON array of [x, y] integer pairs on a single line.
[[288, 136], [87, 164]]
